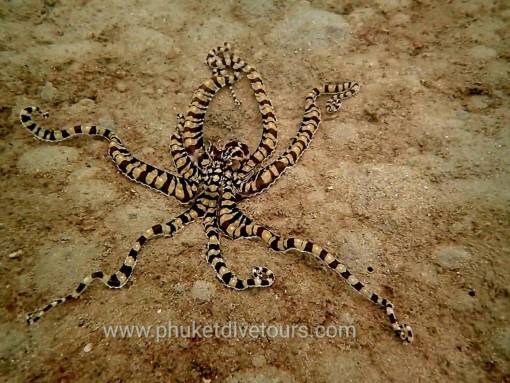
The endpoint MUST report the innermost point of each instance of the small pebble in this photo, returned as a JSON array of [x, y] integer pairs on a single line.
[[121, 86], [48, 92], [88, 347], [85, 103], [477, 103], [452, 257], [15, 254], [258, 361], [106, 121], [173, 53], [482, 52], [179, 289], [203, 290]]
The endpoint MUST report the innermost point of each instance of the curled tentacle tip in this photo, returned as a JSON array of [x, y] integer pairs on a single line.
[[261, 270], [30, 319], [264, 274], [40, 111], [333, 105], [406, 334]]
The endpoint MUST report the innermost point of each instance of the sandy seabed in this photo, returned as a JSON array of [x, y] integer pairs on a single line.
[[410, 178]]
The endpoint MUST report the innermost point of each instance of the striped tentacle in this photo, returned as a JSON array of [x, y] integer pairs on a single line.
[[126, 163], [121, 277], [57, 135], [238, 225], [221, 58], [183, 163], [231, 220], [192, 130], [261, 276], [266, 176], [221, 70]]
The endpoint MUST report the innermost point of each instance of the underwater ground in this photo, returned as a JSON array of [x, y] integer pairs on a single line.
[[409, 178]]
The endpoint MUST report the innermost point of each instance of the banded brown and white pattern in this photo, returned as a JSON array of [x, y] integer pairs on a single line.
[[266, 176], [162, 181], [119, 278], [212, 181], [237, 225], [219, 60]]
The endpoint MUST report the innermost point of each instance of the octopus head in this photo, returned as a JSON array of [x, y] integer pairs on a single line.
[[235, 154]]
